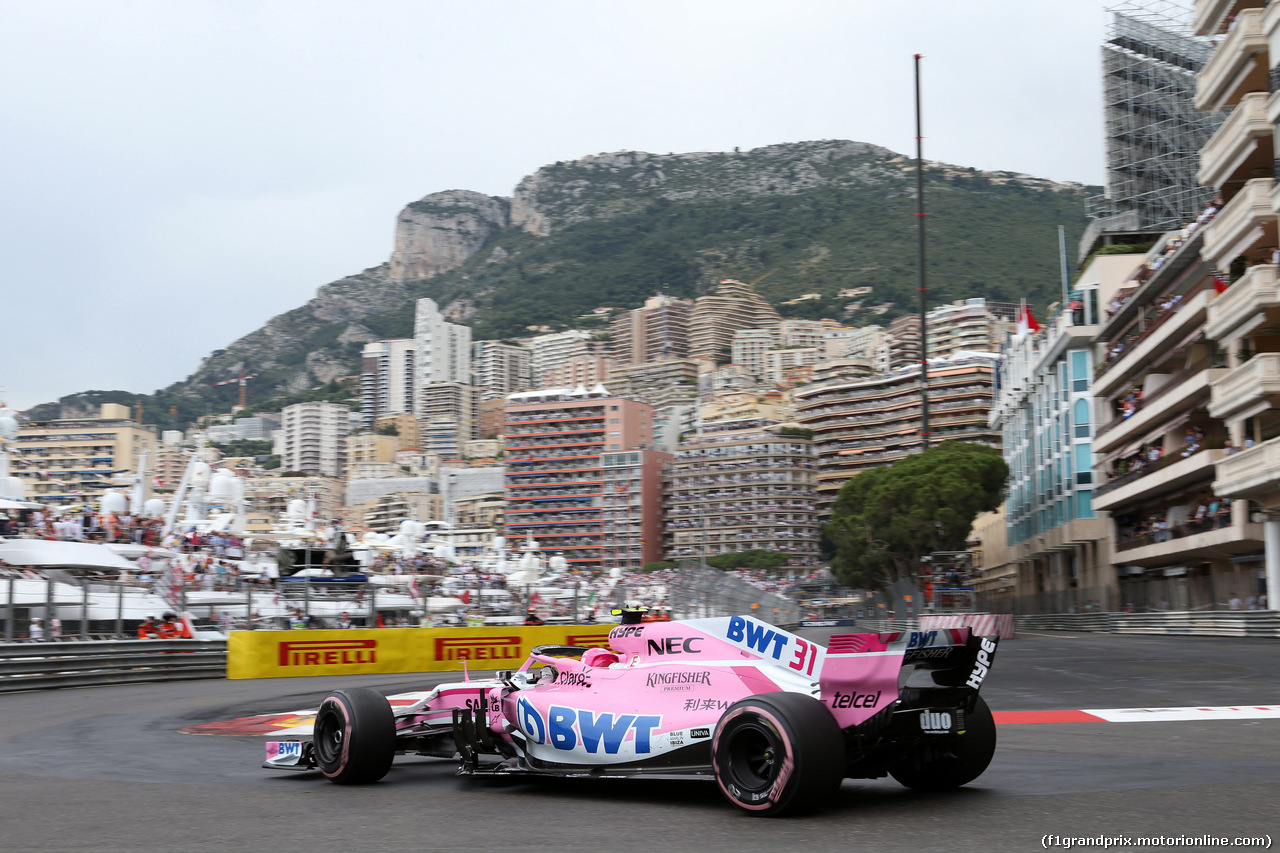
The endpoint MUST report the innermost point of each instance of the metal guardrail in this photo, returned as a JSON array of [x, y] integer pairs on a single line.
[[40, 666], [1217, 623]]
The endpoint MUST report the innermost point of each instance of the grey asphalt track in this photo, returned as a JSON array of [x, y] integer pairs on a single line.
[[107, 769]]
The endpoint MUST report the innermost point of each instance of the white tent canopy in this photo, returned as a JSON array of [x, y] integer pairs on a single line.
[[46, 554]]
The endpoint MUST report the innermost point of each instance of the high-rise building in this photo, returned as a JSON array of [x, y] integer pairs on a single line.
[[586, 370], [865, 421], [738, 485], [750, 350], [447, 419], [314, 438], [501, 368], [72, 461], [573, 484], [554, 349], [442, 349], [658, 383], [966, 325], [387, 379], [658, 331], [715, 318]]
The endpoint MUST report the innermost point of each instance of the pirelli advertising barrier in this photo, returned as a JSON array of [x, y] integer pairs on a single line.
[[282, 654]]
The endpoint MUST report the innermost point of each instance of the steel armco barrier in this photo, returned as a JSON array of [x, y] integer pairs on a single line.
[[40, 666], [1215, 623]]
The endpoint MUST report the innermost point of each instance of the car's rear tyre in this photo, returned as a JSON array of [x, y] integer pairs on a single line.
[[972, 753], [778, 753], [355, 736]]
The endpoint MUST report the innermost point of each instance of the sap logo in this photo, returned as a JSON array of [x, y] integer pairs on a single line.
[[699, 733], [327, 652], [674, 646], [920, 639], [983, 665], [855, 699], [626, 631], [756, 636], [566, 728], [935, 722]]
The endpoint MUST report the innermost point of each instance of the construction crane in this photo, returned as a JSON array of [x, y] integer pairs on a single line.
[[243, 382]]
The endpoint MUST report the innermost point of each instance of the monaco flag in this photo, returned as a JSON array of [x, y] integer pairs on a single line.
[[1026, 322]]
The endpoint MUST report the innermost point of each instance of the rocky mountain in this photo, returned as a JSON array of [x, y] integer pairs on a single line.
[[613, 229]]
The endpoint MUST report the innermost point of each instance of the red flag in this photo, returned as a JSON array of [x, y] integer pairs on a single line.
[[1219, 283], [1026, 321], [466, 596]]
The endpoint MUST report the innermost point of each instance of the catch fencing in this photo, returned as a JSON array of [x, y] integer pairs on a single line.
[[699, 592], [40, 666]]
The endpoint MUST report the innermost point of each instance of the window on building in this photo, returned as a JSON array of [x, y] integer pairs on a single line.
[[1082, 418], [1079, 371]]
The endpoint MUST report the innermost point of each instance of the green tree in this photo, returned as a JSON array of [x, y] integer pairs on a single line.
[[752, 559], [886, 519]]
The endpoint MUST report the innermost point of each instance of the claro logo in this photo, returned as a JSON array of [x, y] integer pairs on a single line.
[[478, 648], [327, 652]]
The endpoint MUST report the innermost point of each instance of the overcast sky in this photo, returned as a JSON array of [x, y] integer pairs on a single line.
[[175, 174]]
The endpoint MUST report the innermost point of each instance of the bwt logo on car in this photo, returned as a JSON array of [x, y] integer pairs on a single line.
[[921, 639], [327, 652], [564, 728], [756, 636], [674, 646], [478, 648]]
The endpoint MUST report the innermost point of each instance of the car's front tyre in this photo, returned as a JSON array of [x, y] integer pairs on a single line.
[[354, 736], [778, 753]]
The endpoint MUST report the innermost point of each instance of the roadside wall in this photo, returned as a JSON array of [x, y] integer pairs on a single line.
[[284, 654]]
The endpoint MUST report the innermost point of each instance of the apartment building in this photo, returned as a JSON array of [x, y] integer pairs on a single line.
[[1242, 320], [750, 349], [658, 383], [313, 438], [1057, 552], [587, 370], [72, 461], [500, 368], [862, 421], [447, 417], [554, 349], [556, 484], [387, 379], [966, 325], [442, 350], [715, 318], [657, 331], [267, 499], [741, 484]]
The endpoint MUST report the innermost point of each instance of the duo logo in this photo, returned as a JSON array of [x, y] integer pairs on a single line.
[[756, 636], [564, 728]]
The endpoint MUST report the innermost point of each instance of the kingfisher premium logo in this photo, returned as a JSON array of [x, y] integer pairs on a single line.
[[327, 652], [478, 648]]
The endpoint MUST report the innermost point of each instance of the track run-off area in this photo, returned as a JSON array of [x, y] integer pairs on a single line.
[[116, 768]]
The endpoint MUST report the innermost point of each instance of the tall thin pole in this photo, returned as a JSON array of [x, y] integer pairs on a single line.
[[1062, 255], [924, 290]]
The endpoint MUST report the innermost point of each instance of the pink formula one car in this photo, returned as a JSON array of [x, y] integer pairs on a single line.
[[776, 720]]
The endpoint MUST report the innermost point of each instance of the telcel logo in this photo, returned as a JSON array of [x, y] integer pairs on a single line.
[[327, 652], [855, 699], [478, 648]]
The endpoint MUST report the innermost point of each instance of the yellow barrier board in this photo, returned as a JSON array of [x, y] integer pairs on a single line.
[[284, 654]]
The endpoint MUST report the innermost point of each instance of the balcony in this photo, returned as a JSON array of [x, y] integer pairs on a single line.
[[1183, 391], [1239, 65], [1211, 15], [1172, 473], [1253, 474], [1245, 221], [1241, 148], [1161, 334], [1247, 389], [1240, 537], [1242, 307]]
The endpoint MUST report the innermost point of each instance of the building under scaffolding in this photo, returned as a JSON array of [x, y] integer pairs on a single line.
[[1154, 132]]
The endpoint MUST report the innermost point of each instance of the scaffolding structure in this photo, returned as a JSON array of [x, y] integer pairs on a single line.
[[1154, 133]]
